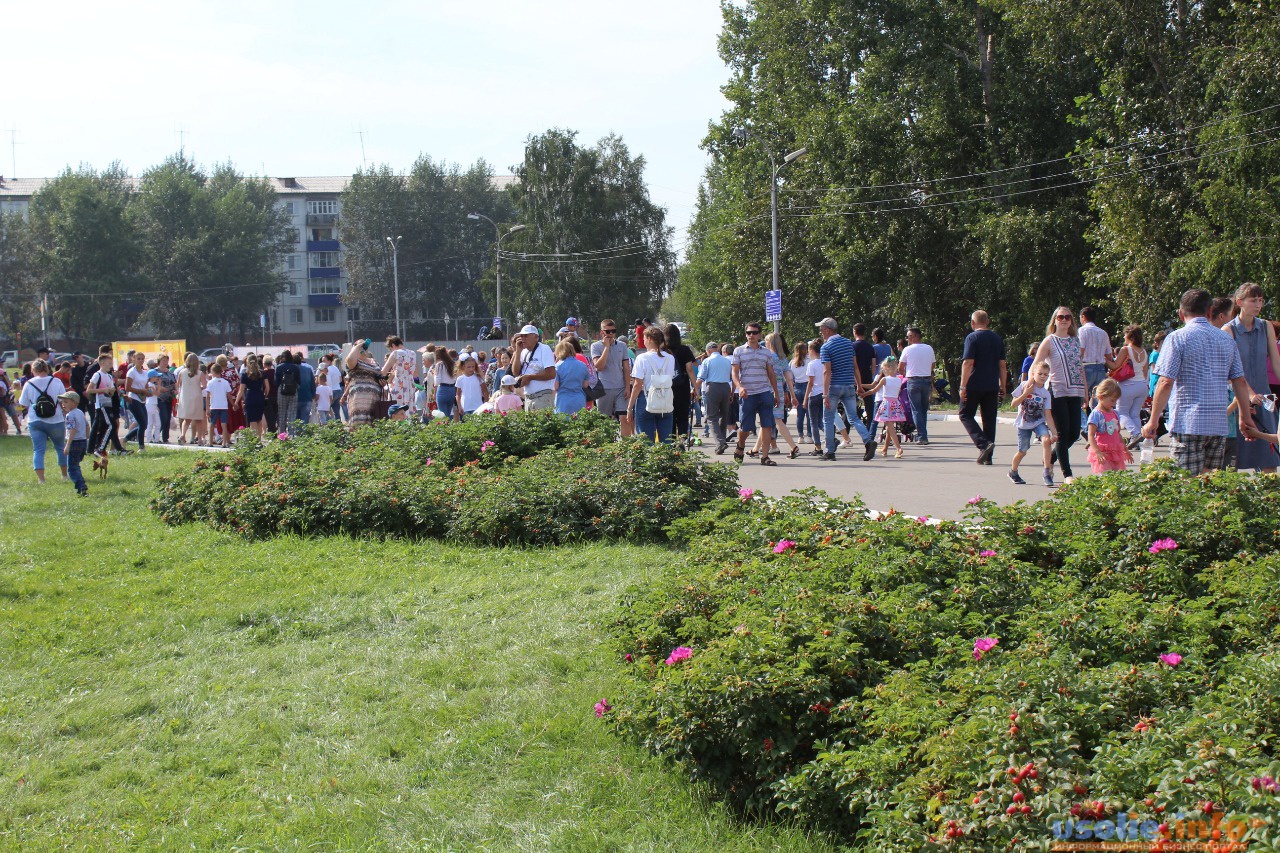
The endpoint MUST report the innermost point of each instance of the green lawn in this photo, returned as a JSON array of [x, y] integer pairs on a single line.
[[165, 688]]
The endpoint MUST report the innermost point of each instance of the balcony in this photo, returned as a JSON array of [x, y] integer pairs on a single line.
[[324, 272], [324, 300], [322, 218], [322, 245]]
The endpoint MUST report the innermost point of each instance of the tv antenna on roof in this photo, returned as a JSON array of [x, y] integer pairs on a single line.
[[359, 131], [13, 148]]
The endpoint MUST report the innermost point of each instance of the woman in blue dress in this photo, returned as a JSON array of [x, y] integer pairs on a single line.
[[571, 380]]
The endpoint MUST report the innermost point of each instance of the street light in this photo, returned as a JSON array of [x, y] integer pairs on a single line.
[[497, 256], [774, 169], [395, 275]]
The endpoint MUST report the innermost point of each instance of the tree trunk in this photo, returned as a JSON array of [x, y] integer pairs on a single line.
[[986, 53]]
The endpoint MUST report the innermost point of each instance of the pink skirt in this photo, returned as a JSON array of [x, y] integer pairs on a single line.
[[890, 412]]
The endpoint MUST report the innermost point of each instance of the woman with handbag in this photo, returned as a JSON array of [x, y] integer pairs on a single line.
[[1129, 368]]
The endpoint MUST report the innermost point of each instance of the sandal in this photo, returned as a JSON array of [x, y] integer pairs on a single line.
[[753, 453], [795, 451], [738, 456], [898, 455], [765, 460]]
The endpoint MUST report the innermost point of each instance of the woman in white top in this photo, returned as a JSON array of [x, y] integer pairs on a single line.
[[1133, 391], [1061, 349], [138, 385], [45, 420], [653, 362], [446, 384]]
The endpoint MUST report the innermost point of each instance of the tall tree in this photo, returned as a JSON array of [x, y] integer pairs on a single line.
[[85, 252], [19, 293], [210, 248], [595, 244], [443, 256]]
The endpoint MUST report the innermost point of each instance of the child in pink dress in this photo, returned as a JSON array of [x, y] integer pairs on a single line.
[[1106, 449]]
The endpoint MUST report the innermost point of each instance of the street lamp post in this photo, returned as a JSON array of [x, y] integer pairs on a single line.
[[774, 169], [497, 257], [395, 277]]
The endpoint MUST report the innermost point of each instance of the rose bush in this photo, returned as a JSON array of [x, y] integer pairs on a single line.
[[903, 685], [522, 479]]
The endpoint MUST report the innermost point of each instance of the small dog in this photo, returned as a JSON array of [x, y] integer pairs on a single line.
[[100, 465]]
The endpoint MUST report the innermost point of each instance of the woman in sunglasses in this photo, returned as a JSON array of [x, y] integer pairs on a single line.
[[1256, 341], [1061, 350]]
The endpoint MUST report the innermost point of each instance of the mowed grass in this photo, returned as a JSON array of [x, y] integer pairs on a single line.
[[178, 688]]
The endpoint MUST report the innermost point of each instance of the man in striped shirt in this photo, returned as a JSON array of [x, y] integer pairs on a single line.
[[840, 384], [751, 368]]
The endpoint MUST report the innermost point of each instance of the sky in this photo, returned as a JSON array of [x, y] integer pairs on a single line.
[[285, 88]]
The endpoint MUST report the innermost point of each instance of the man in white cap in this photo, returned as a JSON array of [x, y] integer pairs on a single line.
[[535, 370]]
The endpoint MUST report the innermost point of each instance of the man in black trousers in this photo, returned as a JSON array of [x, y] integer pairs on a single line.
[[983, 374]]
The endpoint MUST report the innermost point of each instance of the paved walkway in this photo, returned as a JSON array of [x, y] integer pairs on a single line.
[[936, 480]]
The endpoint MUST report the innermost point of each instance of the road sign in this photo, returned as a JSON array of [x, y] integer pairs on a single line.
[[772, 306]]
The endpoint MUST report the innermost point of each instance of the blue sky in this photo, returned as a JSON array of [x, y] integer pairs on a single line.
[[284, 87]]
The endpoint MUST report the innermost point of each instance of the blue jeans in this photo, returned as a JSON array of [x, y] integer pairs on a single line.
[[815, 418], [43, 432], [446, 399], [919, 392], [802, 411], [138, 409], [847, 394], [1093, 374], [654, 427], [304, 411], [73, 464]]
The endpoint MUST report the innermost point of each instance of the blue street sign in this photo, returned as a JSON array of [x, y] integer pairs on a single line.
[[772, 306], [262, 320], [497, 322]]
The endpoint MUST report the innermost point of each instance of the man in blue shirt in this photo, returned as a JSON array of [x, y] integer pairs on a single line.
[[840, 384], [1196, 364], [306, 387], [714, 377]]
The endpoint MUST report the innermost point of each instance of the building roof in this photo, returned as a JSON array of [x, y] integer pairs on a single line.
[[23, 188]]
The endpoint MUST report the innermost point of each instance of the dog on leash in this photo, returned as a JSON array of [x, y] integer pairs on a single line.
[[100, 464]]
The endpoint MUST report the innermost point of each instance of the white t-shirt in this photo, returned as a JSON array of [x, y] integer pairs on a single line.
[[649, 364], [335, 376], [136, 379], [31, 389], [814, 370], [535, 362], [471, 390], [324, 398], [219, 390], [918, 359], [102, 379], [1031, 410], [891, 389], [442, 376]]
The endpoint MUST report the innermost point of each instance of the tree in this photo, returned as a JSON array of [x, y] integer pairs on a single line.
[[443, 256], [595, 244], [210, 248], [84, 251], [19, 295]]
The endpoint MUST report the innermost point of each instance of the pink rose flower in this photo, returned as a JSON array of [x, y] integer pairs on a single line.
[[486, 445], [1163, 545], [923, 519], [746, 494], [627, 657], [678, 654], [983, 645], [603, 707], [1171, 659], [975, 500], [987, 553], [284, 436], [783, 546], [226, 468]]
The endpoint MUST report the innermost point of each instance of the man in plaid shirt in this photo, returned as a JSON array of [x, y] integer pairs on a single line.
[[1196, 364]]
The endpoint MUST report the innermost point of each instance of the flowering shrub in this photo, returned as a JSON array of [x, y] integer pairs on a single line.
[[890, 685], [526, 478]]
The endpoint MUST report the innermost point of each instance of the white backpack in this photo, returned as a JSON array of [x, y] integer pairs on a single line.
[[659, 399]]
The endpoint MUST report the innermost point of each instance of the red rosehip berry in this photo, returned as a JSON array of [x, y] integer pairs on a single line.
[[1026, 809], [1018, 796]]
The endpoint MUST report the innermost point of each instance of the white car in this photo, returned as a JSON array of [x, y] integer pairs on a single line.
[[9, 358], [207, 356]]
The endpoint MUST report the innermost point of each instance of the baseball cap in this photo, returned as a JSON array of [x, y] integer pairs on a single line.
[[72, 396], [398, 407], [572, 321], [529, 330], [508, 381], [827, 323]]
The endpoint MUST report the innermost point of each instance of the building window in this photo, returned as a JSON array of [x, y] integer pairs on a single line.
[[324, 285], [322, 260], [292, 263], [353, 315], [326, 315], [322, 207], [293, 288], [297, 234], [295, 316], [323, 234], [291, 207]]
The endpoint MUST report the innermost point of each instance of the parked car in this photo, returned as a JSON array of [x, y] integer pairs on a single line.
[[10, 358], [315, 352], [207, 356]]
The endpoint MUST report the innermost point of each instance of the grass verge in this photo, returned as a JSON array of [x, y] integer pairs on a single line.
[[177, 687]]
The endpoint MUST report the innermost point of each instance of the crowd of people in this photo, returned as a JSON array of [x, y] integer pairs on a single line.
[[1216, 377]]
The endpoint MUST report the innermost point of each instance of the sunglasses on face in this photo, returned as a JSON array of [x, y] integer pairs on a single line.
[[1063, 318], [609, 331], [753, 331]]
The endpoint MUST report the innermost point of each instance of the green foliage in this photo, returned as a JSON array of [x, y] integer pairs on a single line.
[[521, 479], [837, 680], [19, 297]]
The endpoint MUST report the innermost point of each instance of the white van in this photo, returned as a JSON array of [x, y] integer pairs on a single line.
[[9, 358]]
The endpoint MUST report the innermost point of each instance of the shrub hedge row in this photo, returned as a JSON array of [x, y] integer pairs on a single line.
[[520, 479], [843, 669]]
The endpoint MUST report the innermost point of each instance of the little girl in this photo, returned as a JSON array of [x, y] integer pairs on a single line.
[[506, 400], [1106, 449], [889, 412], [324, 397], [470, 389]]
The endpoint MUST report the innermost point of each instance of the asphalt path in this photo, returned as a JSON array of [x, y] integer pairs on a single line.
[[937, 480]]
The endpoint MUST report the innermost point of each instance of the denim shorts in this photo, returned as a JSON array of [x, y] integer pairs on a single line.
[[1024, 436], [757, 404], [218, 416]]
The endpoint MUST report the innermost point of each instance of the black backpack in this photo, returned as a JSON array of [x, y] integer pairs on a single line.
[[45, 406]]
